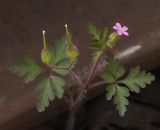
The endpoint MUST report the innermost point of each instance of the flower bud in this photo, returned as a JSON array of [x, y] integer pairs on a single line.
[[112, 39]]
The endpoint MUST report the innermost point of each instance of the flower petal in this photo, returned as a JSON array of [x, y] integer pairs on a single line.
[[126, 33], [115, 28], [119, 33], [118, 25], [125, 28]]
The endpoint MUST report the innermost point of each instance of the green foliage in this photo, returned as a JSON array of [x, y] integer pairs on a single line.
[[120, 99], [114, 70], [120, 94], [94, 31], [137, 79], [44, 94], [57, 85], [28, 69], [118, 88], [47, 90], [95, 55], [52, 87], [63, 57], [111, 91], [104, 34], [59, 57], [98, 39]]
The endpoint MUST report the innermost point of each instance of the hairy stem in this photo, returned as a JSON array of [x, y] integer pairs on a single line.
[[82, 93], [92, 72], [76, 78], [98, 84], [74, 106]]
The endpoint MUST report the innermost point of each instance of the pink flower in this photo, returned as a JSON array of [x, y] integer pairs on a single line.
[[121, 30]]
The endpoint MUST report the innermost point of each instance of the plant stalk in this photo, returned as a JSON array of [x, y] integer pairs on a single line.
[[81, 95]]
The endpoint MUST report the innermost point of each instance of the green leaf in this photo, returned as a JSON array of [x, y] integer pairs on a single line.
[[94, 31], [28, 69], [96, 54], [120, 95], [47, 90], [137, 79], [114, 70], [96, 45], [58, 52], [118, 88], [120, 99], [44, 94], [59, 57], [111, 90], [104, 34], [57, 85]]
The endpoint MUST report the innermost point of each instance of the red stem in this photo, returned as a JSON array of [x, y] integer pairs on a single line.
[[92, 72], [76, 78], [81, 95], [98, 84]]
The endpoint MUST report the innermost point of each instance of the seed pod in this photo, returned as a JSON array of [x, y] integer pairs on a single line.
[[45, 56], [72, 52]]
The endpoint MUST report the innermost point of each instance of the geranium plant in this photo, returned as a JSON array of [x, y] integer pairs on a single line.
[[60, 61]]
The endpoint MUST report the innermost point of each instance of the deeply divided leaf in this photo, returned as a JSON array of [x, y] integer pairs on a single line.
[[28, 69], [57, 85], [111, 90], [47, 90], [104, 34], [60, 59], [120, 99], [93, 30], [119, 94], [44, 94], [118, 88], [137, 79], [114, 70]]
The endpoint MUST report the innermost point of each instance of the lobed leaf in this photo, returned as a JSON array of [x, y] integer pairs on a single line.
[[47, 90], [119, 94], [94, 31], [137, 79], [104, 34], [59, 57], [114, 70], [57, 85], [45, 94], [28, 69], [111, 91], [120, 99]]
